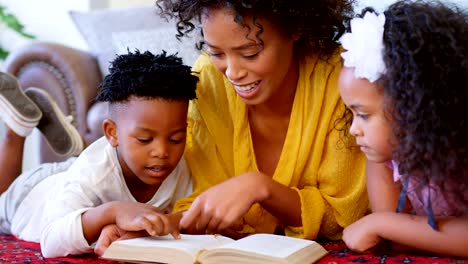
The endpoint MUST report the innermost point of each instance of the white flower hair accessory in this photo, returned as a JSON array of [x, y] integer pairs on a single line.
[[364, 46]]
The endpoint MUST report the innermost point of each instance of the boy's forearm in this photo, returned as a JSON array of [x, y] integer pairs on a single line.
[[175, 218], [95, 219]]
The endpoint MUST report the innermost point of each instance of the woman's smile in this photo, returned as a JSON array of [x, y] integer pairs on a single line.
[[247, 91]]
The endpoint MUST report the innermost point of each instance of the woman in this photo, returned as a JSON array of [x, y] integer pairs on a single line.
[[264, 154]]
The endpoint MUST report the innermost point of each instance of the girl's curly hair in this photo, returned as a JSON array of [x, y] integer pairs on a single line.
[[426, 55], [148, 76], [318, 23]]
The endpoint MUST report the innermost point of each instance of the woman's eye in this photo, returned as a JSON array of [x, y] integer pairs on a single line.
[[250, 56], [215, 54], [144, 140], [252, 52]]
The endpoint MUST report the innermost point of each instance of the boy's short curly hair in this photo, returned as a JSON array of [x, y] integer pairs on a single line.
[[149, 76], [318, 23], [426, 55]]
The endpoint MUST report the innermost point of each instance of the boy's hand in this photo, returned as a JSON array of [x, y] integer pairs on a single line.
[[131, 216], [111, 233]]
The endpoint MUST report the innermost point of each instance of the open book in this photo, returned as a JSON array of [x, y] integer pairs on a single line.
[[206, 249]]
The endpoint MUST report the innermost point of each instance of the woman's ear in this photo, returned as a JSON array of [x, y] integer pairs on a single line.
[[110, 132]]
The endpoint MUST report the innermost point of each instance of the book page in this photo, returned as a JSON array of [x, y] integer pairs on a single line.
[[270, 245], [189, 243]]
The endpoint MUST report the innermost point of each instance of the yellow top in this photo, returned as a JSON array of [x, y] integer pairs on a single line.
[[329, 177]]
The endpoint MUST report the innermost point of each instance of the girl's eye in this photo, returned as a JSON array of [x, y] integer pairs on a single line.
[[363, 116]]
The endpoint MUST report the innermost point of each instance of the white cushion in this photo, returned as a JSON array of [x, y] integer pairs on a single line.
[[105, 33], [155, 40]]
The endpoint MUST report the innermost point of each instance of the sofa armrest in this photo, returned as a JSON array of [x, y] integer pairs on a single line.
[[69, 75]]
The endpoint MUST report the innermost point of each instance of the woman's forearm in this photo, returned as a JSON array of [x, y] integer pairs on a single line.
[[282, 202]]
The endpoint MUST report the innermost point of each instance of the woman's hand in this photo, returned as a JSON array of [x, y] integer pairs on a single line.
[[223, 205]]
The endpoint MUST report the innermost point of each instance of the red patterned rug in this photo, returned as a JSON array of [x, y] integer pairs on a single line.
[[339, 253], [13, 250]]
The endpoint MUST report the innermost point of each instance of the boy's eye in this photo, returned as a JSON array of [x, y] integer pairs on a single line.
[[175, 140], [144, 140]]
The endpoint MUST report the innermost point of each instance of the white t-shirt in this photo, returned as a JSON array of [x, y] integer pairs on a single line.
[[51, 212]]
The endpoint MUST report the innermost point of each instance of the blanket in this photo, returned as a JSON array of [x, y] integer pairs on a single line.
[[13, 250]]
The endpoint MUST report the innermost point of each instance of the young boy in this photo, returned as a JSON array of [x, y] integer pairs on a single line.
[[125, 178]]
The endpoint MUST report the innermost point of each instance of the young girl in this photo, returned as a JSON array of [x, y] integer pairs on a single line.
[[404, 81]]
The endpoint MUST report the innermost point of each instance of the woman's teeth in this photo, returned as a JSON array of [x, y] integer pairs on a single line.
[[246, 88]]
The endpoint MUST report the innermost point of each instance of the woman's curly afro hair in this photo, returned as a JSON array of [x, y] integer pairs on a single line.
[[149, 76], [426, 55], [319, 23]]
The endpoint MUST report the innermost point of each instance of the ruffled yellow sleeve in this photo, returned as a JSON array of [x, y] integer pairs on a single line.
[[208, 147], [332, 185], [337, 197]]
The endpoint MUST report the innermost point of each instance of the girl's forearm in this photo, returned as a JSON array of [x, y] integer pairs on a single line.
[[414, 231]]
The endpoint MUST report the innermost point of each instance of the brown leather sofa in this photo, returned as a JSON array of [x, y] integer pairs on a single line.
[[70, 76]]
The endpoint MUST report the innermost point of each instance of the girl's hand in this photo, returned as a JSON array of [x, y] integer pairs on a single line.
[[224, 204], [360, 236], [132, 216]]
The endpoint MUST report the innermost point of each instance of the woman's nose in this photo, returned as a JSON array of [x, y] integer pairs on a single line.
[[234, 70]]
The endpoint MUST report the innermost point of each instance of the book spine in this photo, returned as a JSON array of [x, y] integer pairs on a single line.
[[197, 256]]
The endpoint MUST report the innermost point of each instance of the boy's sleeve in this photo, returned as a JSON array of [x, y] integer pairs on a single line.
[[64, 236], [61, 226]]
